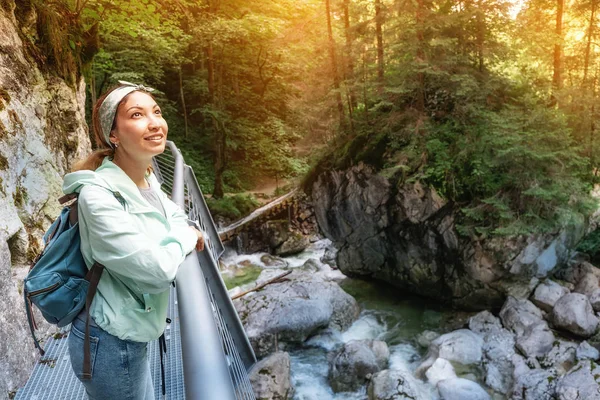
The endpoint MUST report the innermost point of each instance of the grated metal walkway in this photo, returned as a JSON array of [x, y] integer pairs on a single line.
[[54, 379]]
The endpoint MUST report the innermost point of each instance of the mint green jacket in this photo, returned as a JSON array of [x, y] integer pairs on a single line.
[[140, 249]]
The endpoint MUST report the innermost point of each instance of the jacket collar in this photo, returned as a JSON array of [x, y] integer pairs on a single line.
[[119, 181]]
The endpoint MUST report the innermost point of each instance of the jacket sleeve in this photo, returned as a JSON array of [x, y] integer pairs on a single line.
[[124, 250]]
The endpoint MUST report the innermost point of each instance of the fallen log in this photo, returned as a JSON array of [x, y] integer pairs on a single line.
[[277, 279]]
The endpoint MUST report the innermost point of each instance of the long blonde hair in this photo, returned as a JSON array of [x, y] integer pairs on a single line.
[[103, 149]]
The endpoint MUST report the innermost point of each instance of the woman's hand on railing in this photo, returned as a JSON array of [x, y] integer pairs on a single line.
[[200, 242]]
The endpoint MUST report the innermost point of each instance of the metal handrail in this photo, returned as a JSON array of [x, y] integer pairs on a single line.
[[215, 349]]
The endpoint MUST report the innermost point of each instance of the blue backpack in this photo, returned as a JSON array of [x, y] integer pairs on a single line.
[[59, 282]]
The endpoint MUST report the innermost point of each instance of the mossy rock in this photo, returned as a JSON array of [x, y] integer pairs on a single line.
[[242, 276]]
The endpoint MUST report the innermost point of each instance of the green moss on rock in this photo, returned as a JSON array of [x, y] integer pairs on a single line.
[[3, 162]]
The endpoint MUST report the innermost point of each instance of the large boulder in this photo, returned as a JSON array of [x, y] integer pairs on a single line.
[[499, 360], [270, 378], [295, 243], [354, 362], [393, 385], [518, 314], [276, 232], [582, 382], [536, 341], [293, 310], [461, 389], [547, 294], [573, 312]]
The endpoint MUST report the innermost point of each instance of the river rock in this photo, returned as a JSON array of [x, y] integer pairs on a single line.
[[276, 232], [355, 361], [329, 256], [499, 359], [425, 338], [462, 346], [440, 370], [272, 261], [536, 341], [587, 352], [582, 382], [547, 294], [393, 385], [311, 265], [594, 298], [561, 357], [587, 284], [270, 377], [461, 389], [295, 244], [484, 322], [292, 311], [573, 312], [537, 384], [576, 269], [517, 315]]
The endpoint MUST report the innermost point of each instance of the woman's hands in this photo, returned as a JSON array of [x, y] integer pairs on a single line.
[[200, 242]]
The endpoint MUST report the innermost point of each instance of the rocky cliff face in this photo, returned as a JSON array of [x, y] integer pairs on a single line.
[[405, 235], [42, 131]]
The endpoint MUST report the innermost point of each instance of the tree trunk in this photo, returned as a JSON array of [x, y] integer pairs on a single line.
[[364, 83], [420, 56], [480, 33], [592, 119], [219, 139], [185, 120], [93, 86], [590, 35], [379, 33], [349, 57], [336, 78], [557, 75]]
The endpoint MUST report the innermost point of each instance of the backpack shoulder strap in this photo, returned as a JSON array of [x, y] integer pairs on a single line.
[[93, 276]]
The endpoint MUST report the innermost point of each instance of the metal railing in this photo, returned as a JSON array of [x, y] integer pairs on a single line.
[[215, 349]]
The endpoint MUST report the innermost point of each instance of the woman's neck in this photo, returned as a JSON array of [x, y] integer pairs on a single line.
[[135, 169]]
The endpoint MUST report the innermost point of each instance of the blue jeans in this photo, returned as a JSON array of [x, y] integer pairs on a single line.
[[120, 368]]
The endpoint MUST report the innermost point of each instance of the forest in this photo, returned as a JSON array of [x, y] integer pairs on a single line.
[[492, 102]]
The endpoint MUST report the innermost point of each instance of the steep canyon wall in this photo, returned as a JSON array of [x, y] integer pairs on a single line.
[[42, 132]]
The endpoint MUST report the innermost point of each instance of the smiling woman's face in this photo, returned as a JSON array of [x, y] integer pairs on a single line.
[[140, 130]]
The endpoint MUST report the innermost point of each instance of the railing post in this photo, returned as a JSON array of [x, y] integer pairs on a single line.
[[205, 366]]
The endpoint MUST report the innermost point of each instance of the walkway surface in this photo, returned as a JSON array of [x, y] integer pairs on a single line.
[[54, 379]]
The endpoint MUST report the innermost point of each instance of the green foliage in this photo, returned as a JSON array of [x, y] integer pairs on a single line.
[[591, 246], [61, 42], [233, 207]]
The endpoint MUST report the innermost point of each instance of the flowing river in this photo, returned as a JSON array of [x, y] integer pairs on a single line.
[[386, 315]]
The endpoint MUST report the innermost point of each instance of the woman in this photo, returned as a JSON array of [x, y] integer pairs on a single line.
[[129, 226]]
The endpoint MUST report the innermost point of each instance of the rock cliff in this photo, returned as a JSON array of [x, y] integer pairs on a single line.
[[42, 131], [405, 234]]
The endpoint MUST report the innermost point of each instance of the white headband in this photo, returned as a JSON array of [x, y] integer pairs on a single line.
[[109, 106]]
